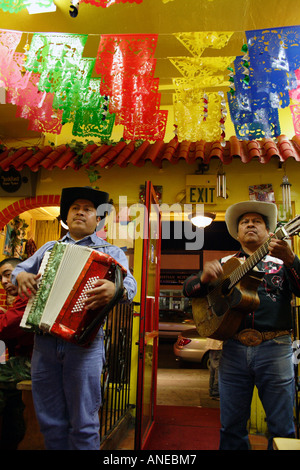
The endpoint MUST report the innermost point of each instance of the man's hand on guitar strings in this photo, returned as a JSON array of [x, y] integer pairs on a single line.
[[27, 284], [211, 272], [282, 250]]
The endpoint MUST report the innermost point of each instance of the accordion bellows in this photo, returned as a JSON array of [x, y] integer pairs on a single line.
[[68, 272]]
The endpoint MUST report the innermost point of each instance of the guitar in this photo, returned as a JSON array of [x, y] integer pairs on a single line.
[[234, 294]]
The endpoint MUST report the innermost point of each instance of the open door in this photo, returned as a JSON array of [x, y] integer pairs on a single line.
[[149, 319]]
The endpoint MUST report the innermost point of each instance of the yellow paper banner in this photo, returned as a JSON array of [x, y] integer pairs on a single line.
[[189, 115], [206, 71], [197, 42]]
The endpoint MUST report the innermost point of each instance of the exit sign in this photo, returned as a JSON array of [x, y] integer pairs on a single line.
[[201, 189]]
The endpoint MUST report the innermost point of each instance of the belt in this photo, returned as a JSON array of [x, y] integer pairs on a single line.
[[251, 337]]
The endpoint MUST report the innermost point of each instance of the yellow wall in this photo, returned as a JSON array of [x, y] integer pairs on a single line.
[[126, 181]]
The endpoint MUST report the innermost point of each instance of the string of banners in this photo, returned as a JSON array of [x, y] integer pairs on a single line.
[[52, 83]]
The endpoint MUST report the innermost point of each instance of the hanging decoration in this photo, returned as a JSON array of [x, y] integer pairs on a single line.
[[69, 95], [55, 56], [9, 41], [14, 6], [126, 65], [231, 81], [189, 113], [65, 75], [26, 49], [51, 83], [223, 117], [197, 42], [205, 108], [57, 86], [35, 106], [221, 183], [295, 103], [246, 64], [154, 129], [253, 123], [274, 56], [42, 119], [295, 110], [294, 94], [190, 101], [253, 116], [91, 117], [286, 196], [16, 76], [207, 71], [29, 97], [121, 55]]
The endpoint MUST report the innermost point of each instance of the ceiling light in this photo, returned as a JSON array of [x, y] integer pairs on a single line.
[[201, 220]]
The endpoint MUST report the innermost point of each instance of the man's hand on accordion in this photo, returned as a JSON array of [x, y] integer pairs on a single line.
[[100, 295], [27, 283]]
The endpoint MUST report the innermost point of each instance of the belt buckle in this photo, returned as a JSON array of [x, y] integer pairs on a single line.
[[250, 337]]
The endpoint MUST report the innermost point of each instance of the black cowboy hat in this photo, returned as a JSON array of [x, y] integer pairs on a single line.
[[69, 195]]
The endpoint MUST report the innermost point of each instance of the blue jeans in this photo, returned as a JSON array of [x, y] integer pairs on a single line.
[[268, 366], [67, 392]]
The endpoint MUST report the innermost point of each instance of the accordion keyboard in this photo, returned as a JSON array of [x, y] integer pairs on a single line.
[[79, 304]]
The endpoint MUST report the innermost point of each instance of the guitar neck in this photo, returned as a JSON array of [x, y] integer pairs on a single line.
[[250, 263]]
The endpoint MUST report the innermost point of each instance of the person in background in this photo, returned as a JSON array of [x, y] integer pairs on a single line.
[[260, 352], [215, 352], [66, 377], [17, 367]]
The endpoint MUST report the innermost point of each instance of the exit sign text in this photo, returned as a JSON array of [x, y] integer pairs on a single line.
[[201, 194]]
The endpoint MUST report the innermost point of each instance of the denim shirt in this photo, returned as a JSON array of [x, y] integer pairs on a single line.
[[32, 264]]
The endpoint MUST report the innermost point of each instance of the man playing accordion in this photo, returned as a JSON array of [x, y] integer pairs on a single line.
[[65, 376]]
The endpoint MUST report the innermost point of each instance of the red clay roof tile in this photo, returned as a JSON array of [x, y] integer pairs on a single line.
[[123, 154]]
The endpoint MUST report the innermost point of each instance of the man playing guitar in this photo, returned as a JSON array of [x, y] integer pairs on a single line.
[[260, 352]]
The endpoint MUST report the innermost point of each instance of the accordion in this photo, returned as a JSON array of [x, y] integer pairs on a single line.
[[67, 273]]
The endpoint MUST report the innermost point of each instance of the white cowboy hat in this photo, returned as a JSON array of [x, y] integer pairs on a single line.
[[268, 209]]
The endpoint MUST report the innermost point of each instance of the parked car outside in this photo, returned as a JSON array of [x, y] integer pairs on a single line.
[[191, 347], [173, 322]]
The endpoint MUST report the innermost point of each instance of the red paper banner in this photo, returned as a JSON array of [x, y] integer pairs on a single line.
[[126, 65]]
